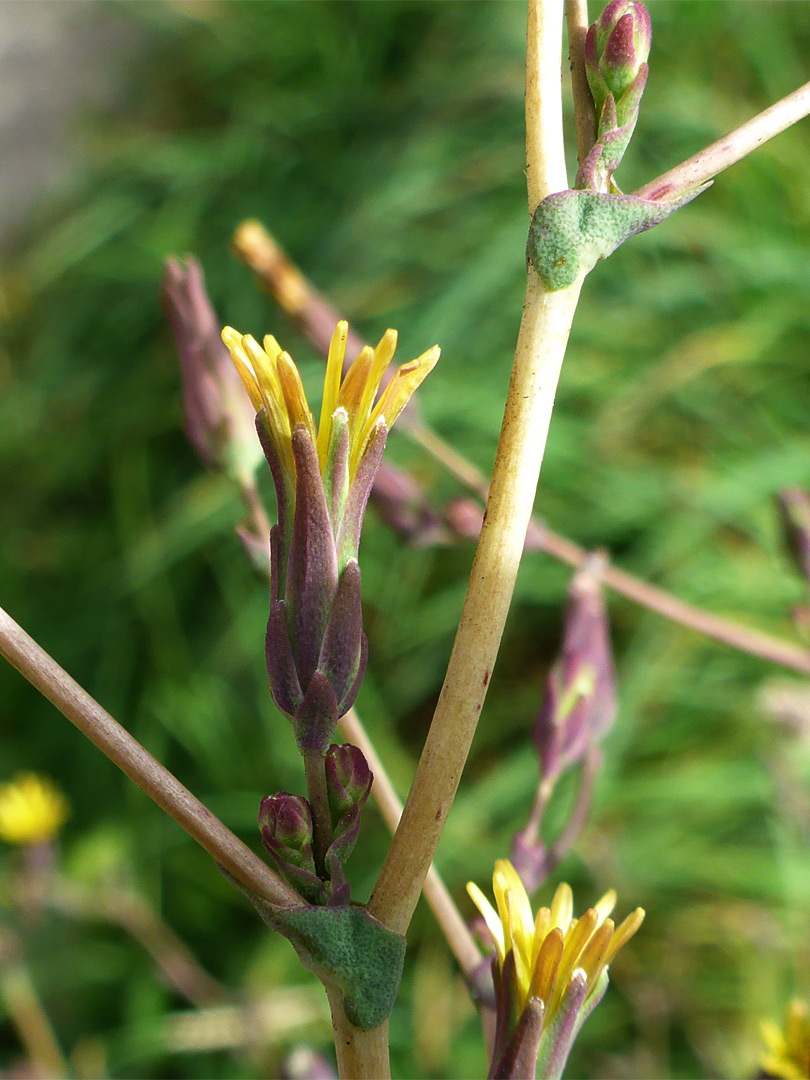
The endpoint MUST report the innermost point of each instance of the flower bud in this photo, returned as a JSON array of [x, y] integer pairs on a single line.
[[616, 51], [617, 46], [579, 704], [218, 416], [285, 822], [348, 779]]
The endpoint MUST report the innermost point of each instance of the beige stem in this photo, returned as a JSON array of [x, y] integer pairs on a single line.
[[730, 149], [439, 900], [542, 339], [576, 15], [361, 1054], [54, 683]]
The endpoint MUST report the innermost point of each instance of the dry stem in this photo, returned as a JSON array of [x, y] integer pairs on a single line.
[[23, 653], [731, 148]]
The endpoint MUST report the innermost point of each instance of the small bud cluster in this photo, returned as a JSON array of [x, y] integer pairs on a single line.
[[285, 822], [616, 49]]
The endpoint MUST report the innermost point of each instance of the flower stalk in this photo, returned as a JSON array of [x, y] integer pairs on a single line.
[[539, 353]]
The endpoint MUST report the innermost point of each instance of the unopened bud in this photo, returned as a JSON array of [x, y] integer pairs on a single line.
[[579, 704], [617, 46], [616, 51], [794, 507], [218, 416], [348, 779], [286, 824]]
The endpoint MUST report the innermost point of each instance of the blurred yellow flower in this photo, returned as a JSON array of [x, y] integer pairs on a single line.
[[32, 810], [788, 1055], [550, 947]]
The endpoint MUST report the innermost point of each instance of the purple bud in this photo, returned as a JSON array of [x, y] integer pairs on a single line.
[[285, 822], [218, 415], [794, 507], [316, 650], [348, 779], [519, 1057], [617, 46], [289, 817], [579, 704]]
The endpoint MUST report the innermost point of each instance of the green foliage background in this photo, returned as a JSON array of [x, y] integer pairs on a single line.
[[383, 144]]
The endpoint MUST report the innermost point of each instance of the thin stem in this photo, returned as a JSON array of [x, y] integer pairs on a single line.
[[579, 815], [730, 149], [361, 1054], [23, 653], [539, 353], [454, 928], [26, 1012], [541, 538], [179, 966], [317, 793], [576, 15]]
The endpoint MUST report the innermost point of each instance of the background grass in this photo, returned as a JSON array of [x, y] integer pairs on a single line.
[[383, 144]]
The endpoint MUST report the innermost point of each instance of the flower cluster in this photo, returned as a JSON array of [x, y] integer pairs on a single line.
[[316, 649], [551, 962]]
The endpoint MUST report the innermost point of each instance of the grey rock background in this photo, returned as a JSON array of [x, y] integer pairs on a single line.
[[59, 61]]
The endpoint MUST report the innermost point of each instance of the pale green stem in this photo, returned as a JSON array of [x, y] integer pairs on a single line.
[[362, 1054], [318, 795], [539, 354]]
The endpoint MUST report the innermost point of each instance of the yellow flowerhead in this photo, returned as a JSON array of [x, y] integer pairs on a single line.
[[32, 810], [274, 385], [315, 647], [788, 1055], [548, 948]]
